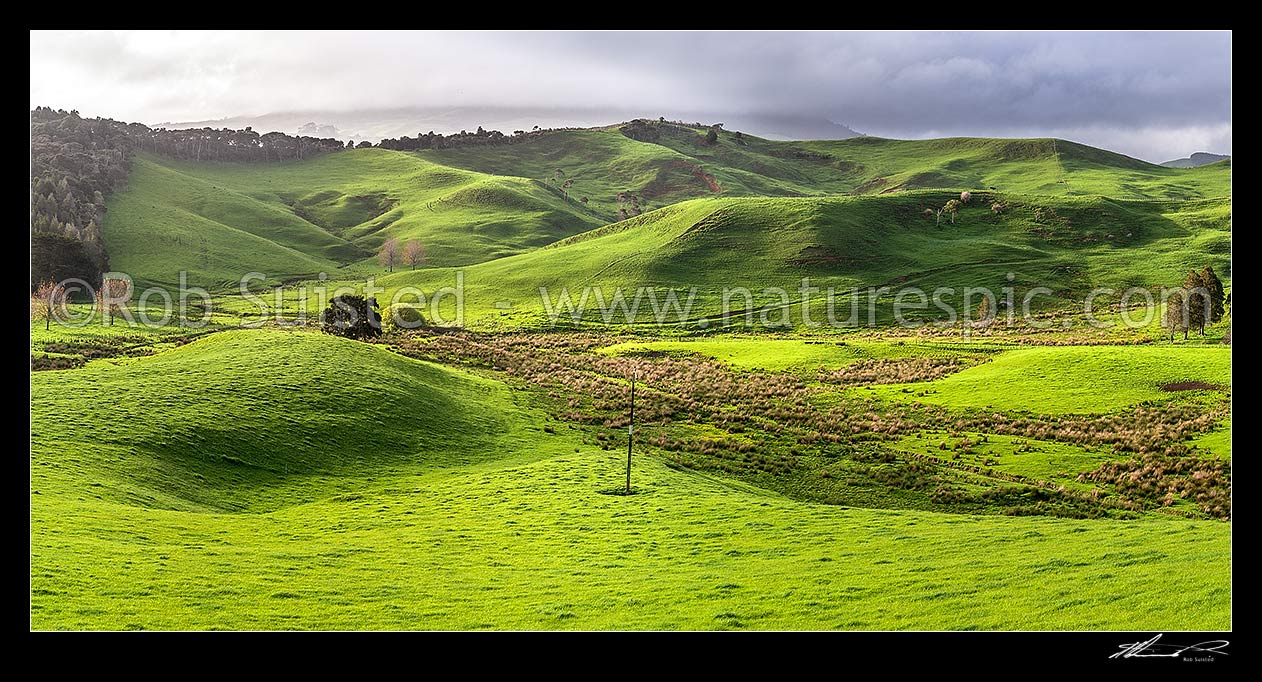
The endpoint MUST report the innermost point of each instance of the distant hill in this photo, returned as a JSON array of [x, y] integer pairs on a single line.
[[377, 124], [1197, 159], [481, 203]]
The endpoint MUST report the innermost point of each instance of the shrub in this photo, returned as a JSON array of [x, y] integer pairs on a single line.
[[402, 317]]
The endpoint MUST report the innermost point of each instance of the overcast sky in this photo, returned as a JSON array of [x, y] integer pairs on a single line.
[[1156, 96]]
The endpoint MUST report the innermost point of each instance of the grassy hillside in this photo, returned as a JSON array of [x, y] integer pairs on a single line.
[[1069, 244], [323, 214], [246, 481], [477, 204], [235, 478], [668, 163], [804, 356], [166, 222], [257, 419], [1058, 380], [1025, 166]]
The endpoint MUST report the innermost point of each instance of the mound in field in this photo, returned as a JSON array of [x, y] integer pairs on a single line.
[[257, 419]]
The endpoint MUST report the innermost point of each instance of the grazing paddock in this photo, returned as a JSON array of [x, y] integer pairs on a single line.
[[1082, 379]]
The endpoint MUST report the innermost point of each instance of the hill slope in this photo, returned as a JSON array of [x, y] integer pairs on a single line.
[[471, 205], [254, 419], [1069, 244], [664, 163], [323, 214]]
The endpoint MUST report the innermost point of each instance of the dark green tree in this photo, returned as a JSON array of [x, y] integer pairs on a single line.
[[354, 317], [1217, 298], [1198, 301], [712, 136]]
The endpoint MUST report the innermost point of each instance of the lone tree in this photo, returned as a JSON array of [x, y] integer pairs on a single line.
[[984, 313], [47, 299], [112, 294], [952, 207], [389, 254], [413, 253], [1177, 316], [712, 136], [354, 317]]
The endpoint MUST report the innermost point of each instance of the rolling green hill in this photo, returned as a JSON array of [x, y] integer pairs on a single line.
[[477, 204], [329, 214], [290, 480], [1069, 244], [1022, 166], [1072, 379], [246, 419], [668, 163]]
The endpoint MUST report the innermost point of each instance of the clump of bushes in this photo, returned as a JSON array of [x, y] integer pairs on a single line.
[[351, 316], [43, 362], [1155, 479], [402, 317]]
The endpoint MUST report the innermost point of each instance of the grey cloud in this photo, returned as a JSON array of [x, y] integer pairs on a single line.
[[1174, 87]]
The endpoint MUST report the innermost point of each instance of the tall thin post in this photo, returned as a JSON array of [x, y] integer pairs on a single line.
[[631, 431]]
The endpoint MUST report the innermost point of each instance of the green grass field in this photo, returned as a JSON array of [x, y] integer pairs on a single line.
[[788, 355], [1057, 380], [786, 476], [219, 488]]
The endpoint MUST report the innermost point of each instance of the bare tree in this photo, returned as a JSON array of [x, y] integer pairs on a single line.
[[109, 296], [413, 253], [389, 254], [1178, 314], [47, 299]]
